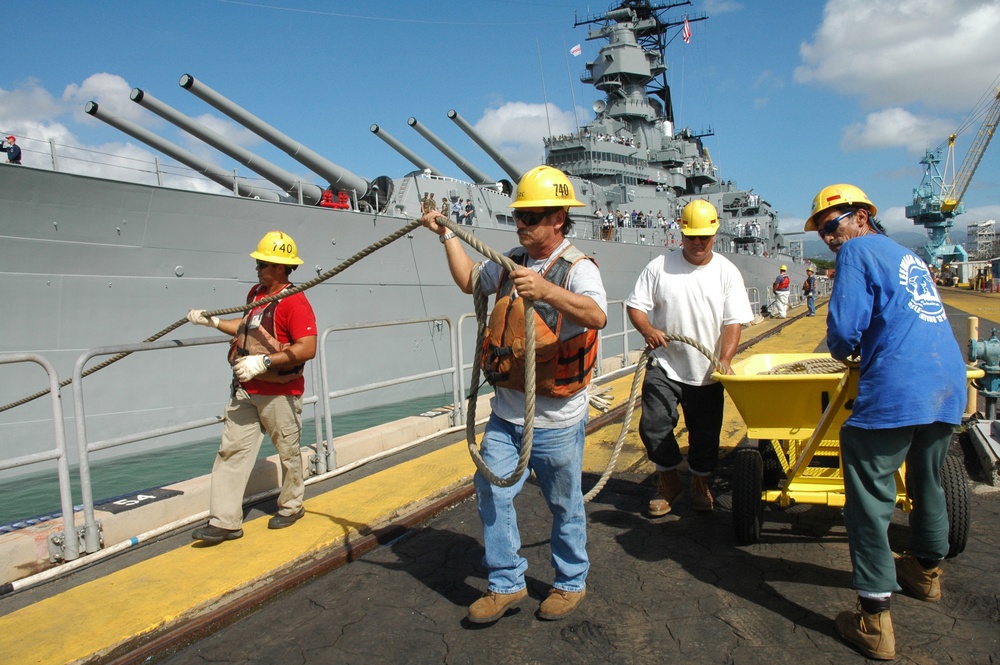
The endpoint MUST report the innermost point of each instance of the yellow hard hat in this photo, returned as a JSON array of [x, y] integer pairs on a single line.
[[810, 269], [785, 268], [277, 247], [699, 218], [837, 195], [545, 187]]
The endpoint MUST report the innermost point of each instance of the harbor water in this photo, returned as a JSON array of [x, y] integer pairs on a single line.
[[33, 496]]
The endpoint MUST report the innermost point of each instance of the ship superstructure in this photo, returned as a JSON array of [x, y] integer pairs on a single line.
[[632, 152]]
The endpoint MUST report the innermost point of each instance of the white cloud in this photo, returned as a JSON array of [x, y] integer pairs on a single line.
[[110, 91], [940, 53], [895, 127], [517, 128], [26, 104], [37, 117]]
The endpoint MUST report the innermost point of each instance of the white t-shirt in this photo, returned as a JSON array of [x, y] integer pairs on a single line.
[[695, 301], [550, 412]]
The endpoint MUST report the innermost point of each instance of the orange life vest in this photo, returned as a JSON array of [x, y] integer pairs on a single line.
[[562, 368], [260, 339]]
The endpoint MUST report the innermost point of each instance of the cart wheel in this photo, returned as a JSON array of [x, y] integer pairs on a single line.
[[773, 473], [748, 505], [955, 483]]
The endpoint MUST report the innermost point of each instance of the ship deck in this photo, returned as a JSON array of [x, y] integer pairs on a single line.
[[387, 559]]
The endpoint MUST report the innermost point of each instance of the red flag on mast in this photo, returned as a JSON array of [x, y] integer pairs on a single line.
[[686, 32]]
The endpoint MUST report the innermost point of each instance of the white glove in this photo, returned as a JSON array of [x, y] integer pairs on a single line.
[[248, 367], [197, 317]]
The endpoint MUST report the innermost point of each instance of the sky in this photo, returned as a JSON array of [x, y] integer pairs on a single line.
[[798, 94]]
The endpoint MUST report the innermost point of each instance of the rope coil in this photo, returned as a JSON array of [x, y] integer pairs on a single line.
[[809, 366]]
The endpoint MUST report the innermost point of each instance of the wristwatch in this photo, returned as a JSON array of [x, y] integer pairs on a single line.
[[448, 236], [267, 362]]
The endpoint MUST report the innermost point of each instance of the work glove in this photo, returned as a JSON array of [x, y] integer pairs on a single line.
[[197, 317], [248, 367]]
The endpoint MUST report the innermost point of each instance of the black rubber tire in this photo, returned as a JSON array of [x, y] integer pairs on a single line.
[[748, 505], [955, 483], [773, 473]]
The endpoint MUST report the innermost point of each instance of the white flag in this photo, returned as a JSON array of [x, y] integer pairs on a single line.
[[576, 50]]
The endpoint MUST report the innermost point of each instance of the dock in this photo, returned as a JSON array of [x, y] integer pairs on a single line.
[[388, 558]]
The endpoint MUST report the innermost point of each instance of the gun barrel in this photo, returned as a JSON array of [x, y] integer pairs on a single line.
[[477, 176], [189, 159], [508, 168], [340, 179], [403, 150], [289, 182]]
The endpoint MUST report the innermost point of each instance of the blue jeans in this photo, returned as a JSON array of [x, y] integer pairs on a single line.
[[811, 303], [557, 460]]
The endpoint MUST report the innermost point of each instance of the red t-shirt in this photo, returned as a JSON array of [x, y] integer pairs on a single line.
[[293, 320]]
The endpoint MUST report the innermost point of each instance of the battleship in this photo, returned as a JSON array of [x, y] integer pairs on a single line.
[[96, 263]]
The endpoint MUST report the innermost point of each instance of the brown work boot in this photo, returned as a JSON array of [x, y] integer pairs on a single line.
[[871, 633], [668, 490], [560, 603], [919, 582], [494, 605], [701, 497]]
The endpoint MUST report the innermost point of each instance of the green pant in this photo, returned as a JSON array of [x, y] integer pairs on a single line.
[[871, 458]]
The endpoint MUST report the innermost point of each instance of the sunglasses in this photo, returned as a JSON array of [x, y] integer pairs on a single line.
[[530, 218], [832, 225], [263, 264]]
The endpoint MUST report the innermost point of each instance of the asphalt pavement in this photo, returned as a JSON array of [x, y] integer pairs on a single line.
[[672, 589]]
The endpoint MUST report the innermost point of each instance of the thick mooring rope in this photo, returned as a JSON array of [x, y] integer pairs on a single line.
[[479, 300]]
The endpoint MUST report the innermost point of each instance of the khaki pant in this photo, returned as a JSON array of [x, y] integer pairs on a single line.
[[247, 418]]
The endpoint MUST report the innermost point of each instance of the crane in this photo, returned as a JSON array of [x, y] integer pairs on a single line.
[[936, 202]]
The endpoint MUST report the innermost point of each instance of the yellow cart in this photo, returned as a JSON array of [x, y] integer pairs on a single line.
[[795, 420]]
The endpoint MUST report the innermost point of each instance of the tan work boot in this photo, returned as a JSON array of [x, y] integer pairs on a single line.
[[668, 490], [494, 605], [871, 633], [701, 497], [560, 603], [919, 582]]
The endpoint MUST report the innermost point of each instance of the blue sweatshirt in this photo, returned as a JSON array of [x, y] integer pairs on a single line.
[[885, 303]]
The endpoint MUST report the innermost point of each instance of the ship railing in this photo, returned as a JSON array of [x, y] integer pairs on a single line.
[[603, 338], [91, 529], [324, 444], [69, 538], [50, 155], [753, 293], [72, 542]]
